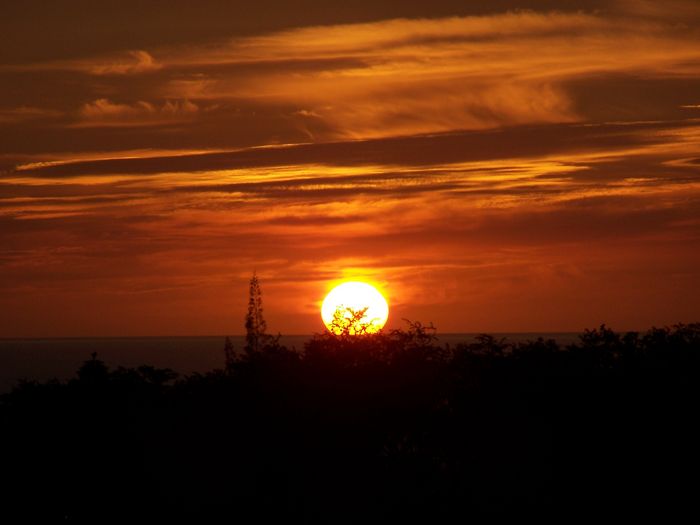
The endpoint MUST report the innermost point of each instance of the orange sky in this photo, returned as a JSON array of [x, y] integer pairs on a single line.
[[490, 168]]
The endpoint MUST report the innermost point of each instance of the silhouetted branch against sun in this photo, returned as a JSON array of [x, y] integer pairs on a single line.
[[354, 308], [351, 321]]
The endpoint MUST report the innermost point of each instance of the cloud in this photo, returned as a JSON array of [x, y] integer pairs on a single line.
[[476, 243], [399, 77], [408, 152], [379, 79], [103, 112], [134, 62]]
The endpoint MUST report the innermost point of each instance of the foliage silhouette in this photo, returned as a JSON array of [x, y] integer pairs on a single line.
[[256, 336], [348, 321], [380, 428]]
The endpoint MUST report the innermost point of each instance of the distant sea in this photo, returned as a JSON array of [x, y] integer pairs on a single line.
[[44, 359]]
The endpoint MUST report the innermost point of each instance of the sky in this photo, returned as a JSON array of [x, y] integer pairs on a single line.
[[491, 166]]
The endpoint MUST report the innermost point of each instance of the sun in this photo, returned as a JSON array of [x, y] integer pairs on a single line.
[[354, 308]]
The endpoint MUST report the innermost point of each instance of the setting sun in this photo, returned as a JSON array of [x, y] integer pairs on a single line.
[[354, 308]]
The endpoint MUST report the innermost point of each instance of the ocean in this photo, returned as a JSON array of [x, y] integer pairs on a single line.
[[44, 359]]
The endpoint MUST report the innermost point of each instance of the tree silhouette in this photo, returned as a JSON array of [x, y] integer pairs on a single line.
[[255, 325]]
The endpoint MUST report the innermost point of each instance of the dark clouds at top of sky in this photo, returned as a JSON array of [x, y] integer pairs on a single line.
[[586, 62], [35, 30]]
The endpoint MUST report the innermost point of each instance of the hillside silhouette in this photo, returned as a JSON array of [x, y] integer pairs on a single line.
[[379, 428]]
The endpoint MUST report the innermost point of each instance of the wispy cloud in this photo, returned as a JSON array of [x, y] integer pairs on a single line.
[[554, 225], [412, 76], [402, 76], [103, 112], [131, 62], [134, 62]]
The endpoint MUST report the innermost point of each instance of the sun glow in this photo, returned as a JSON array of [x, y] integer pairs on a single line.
[[354, 308]]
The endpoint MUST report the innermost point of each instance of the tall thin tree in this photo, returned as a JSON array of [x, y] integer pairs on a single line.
[[255, 325]]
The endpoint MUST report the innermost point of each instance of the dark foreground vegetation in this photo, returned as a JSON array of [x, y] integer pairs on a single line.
[[379, 428]]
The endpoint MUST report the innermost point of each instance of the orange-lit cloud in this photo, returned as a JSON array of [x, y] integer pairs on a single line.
[[553, 223], [103, 112], [134, 62], [405, 76], [412, 76]]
